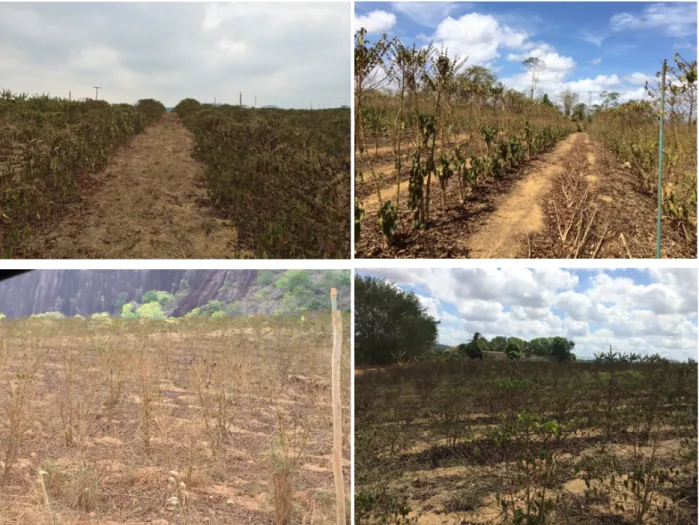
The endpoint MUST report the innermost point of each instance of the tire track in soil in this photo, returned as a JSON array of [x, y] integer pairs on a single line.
[[149, 204], [519, 213]]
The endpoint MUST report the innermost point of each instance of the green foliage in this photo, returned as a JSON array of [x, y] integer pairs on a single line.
[[182, 289], [513, 350], [498, 343], [119, 302], [389, 323], [359, 214], [388, 221], [48, 315], [219, 315], [100, 315], [475, 348], [266, 277], [208, 310], [127, 311], [164, 298], [294, 279], [151, 311], [561, 347]]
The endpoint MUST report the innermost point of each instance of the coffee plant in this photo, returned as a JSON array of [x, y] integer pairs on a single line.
[[47, 147], [280, 176], [441, 122], [530, 443]]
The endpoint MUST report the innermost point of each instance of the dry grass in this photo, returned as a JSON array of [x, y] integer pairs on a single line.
[[188, 422]]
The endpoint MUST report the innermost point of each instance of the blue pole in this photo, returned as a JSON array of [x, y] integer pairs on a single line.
[[660, 161]]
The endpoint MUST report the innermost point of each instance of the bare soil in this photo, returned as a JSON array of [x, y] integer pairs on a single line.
[[257, 374], [465, 229], [519, 213], [576, 201], [149, 203], [596, 208]]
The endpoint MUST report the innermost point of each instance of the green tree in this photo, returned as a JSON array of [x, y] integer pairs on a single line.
[[266, 277], [119, 302], [157, 296], [562, 347], [517, 341], [513, 350], [473, 349], [569, 99], [610, 98], [498, 343], [389, 322], [150, 311], [540, 346], [127, 311], [294, 279], [579, 111], [535, 66]]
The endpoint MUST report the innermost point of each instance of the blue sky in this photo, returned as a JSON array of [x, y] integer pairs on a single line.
[[633, 310], [587, 46]]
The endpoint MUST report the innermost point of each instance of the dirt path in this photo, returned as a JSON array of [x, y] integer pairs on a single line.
[[519, 213], [149, 204]]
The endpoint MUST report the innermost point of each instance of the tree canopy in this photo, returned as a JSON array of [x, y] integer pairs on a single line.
[[390, 323]]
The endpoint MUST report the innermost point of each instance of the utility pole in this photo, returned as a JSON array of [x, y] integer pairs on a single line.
[[255, 106], [97, 88], [214, 101], [241, 99]]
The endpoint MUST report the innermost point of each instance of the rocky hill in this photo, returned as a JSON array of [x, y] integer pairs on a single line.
[[178, 292]]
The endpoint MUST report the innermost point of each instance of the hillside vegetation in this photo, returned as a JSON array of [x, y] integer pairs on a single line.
[[273, 292]]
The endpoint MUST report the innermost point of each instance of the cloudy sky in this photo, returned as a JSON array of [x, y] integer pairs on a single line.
[[587, 47], [642, 311], [290, 55]]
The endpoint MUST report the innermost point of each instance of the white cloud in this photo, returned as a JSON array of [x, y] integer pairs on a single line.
[[638, 78], [375, 22], [632, 316], [478, 37], [596, 61], [197, 50], [427, 14], [673, 19], [592, 38]]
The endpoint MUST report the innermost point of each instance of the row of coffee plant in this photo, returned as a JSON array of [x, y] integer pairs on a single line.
[[443, 122], [47, 146], [630, 132], [527, 443], [281, 176]]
